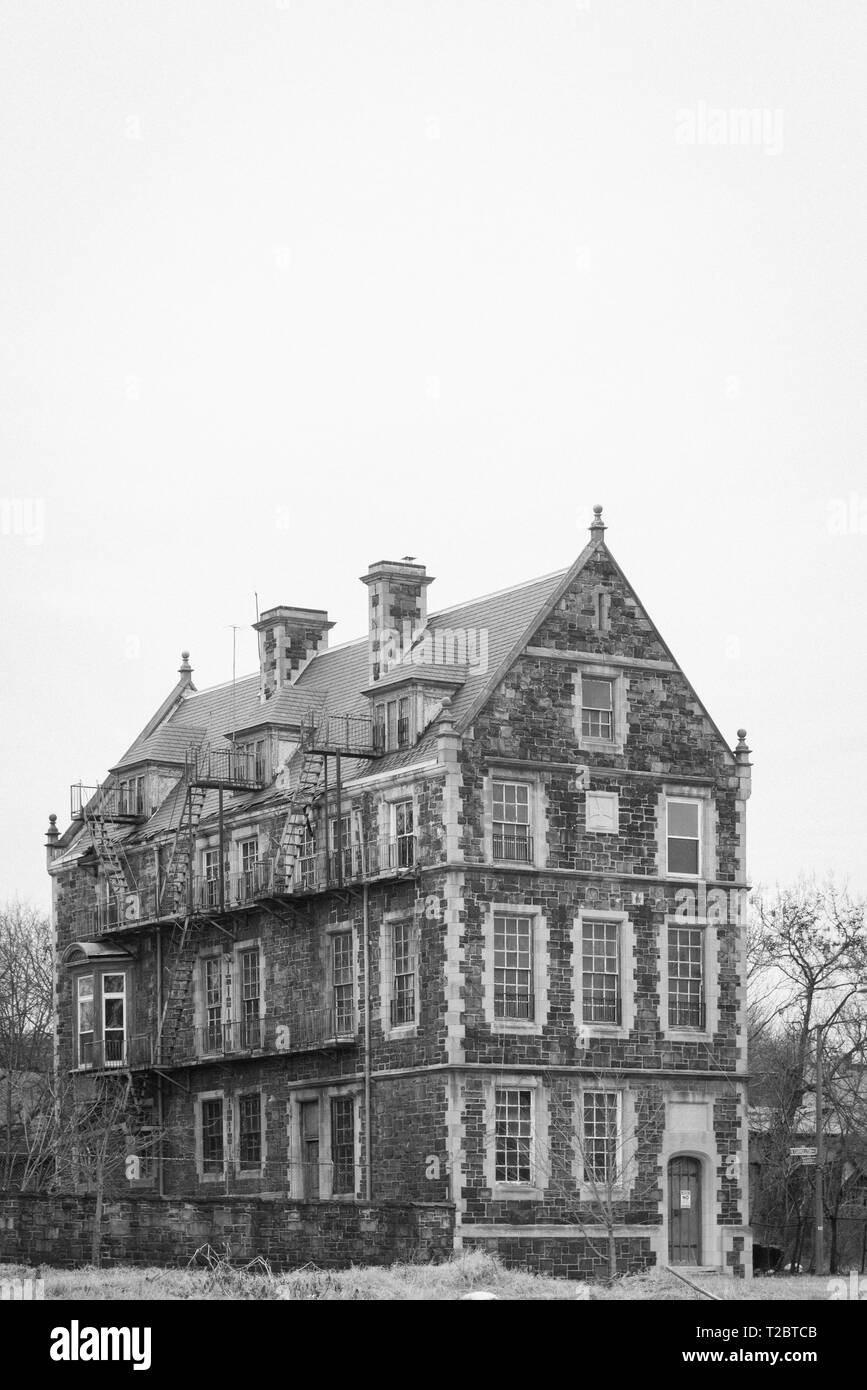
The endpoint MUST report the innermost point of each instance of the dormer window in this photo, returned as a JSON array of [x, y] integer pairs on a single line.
[[392, 724]]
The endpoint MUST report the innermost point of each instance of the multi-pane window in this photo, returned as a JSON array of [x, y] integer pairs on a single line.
[[260, 765], [402, 974], [685, 977], [114, 1019], [342, 983], [379, 728], [211, 875], [342, 1144], [305, 864], [250, 1132], [513, 1136], [249, 854], [212, 1136], [391, 715], [601, 1134], [512, 821], [600, 967], [212, 992], [404, 834], [597, 707], [513, 966], [131, 797], [341, 843], [402, 723], [683, 836], [85, 1020], [250, 1000]]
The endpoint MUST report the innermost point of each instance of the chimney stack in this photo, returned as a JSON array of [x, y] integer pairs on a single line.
[[397, 608], [289, 638]]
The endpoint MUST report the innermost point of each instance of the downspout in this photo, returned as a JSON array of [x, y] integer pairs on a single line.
[[161, 1186], [368, 1176]]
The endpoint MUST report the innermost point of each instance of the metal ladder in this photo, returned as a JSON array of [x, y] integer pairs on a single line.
[[289, 842], [116, 868], [178, 990]]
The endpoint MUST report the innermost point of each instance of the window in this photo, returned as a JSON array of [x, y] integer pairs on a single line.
[[305, 864], [683, 837], [391, 714], [212, 992], [404, 835], [597, 707], [85, 1020], [512, 821], [342, 984], [260, 769], [248, 857], [513, 967], [342, 1145], [403, 723], [379, 728], [600, 972], [402, 974], [212, 1136], [248, 962], [601, 1136], [211, 878], [513, 1133], [250, 1132], [686, 977], [344, 848], [114, 1019]]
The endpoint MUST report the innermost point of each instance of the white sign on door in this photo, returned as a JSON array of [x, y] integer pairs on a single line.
[[685, 1198]]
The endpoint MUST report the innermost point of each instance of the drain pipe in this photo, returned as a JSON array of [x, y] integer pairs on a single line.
[[161, 1186], [367, 1117]]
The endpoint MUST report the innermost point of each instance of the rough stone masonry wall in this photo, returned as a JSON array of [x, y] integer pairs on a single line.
[[57, 1230]]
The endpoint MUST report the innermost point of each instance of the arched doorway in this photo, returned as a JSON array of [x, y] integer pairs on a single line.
[[684, 1211]]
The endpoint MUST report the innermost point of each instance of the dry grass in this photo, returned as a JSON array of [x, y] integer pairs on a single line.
[[216, 1278]]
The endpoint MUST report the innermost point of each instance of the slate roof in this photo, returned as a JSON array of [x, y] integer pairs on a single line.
[[333, 681]]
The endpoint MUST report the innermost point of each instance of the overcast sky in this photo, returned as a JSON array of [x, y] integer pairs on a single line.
[[291, 287]]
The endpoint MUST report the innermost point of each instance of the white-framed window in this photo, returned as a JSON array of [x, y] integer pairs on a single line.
[[513, 1135], [686, 989], [597, 707], [403, 974], [250, 997], [212, 1001], [511, 821], [84, 1010], [601, 1138], [114, 1019], [514, 966], [403, 822], [324, 1153], [342, 983], [403, 729], [600, 971], [600, 708], [683, 834], [340, 837], [211, 878], [602, 813], [304, 869]]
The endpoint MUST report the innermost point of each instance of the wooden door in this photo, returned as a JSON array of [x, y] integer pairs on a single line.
[[684, 1211], [310, 1149]]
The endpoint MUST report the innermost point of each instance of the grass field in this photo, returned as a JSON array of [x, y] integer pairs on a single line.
[[471, 1273]]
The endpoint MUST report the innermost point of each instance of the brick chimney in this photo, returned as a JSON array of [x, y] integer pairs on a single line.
[[289, 638], [397, 610]]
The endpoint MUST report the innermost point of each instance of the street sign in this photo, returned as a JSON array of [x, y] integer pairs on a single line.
[[803, 1151], [808, 1160]]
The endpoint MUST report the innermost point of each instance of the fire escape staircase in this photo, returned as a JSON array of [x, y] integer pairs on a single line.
[[109, 851], [291, 837]]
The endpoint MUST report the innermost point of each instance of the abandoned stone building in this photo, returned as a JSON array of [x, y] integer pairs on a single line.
[[447, 914]]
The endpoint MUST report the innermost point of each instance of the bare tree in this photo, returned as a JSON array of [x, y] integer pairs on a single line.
[[26, 999]]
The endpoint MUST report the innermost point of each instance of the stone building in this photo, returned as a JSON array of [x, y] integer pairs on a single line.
[[448, 913]]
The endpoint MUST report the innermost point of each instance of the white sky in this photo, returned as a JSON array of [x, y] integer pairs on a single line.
[[291, 287]]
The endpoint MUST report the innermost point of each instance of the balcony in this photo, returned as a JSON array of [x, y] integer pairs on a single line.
[[227, 769], [116, 1053], [513, 848], [123, 804], [313, 1030], [350, 735], [241, 889], [376, 859]]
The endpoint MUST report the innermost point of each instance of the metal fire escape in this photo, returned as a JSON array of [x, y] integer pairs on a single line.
[[99, 808]]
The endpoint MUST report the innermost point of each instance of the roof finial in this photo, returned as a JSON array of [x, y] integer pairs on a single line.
[[598, 527], [185, 669]]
